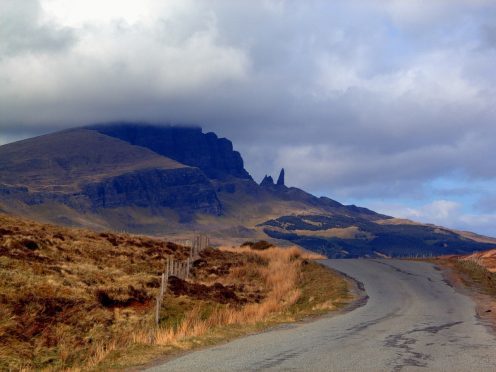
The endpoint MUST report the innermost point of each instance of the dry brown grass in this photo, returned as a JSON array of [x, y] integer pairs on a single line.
[[66, 292], [279, 272], [295, 288], [75, 299], [486, 259]]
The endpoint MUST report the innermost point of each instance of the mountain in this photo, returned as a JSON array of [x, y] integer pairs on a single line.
[[85, 171], [188, 145], [170, 180]]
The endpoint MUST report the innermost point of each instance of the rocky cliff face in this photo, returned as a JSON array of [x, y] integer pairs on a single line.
[[186, 190], [214, 156]]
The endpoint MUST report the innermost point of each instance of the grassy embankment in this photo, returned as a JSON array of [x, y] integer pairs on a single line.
[[472, 273], [75, 299]]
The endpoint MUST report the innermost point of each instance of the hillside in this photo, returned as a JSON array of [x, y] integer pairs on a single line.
[[166, 180], [68, 160], [73, 298]]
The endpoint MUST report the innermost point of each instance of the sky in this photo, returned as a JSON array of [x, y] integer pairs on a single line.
[[388, 104]]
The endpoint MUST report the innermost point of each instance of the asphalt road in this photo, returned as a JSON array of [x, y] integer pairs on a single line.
[[412, 321]]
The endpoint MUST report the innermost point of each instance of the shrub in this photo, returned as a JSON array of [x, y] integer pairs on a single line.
[[262, 245]]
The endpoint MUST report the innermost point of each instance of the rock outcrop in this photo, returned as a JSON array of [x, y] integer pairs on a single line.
[[188, 145], [280, 179], [267, 181]]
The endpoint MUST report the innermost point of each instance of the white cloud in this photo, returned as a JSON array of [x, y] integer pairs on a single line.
[[75, 13]]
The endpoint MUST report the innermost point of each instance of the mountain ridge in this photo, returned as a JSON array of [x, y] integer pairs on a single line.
[[175, 180]]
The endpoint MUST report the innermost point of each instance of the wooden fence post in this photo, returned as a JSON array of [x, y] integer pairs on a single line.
[[157, 310], [161, 285]]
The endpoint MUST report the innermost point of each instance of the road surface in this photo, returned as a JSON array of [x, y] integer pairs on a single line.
[[413, 321]]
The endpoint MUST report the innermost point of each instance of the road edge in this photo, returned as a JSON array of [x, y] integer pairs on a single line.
[[356, 288], [482, 301]]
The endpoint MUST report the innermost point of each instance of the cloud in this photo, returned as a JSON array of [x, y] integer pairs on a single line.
[[355, 99], [23, 30]]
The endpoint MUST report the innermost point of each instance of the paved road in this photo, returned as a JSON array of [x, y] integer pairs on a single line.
[[412, 321]]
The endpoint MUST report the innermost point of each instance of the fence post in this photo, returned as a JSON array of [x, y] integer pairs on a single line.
[[162, 285], [157, 310]]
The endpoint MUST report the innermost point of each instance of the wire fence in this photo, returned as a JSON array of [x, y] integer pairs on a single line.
[[180, 268]]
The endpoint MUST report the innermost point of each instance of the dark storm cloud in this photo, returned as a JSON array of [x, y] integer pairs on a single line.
[[348, 96]]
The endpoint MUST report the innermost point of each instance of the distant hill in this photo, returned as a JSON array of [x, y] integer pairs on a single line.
[[175, 180]]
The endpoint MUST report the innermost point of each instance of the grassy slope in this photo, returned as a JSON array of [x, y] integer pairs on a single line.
[[74, 298], [473, 274], [65, 160], [485, 258]]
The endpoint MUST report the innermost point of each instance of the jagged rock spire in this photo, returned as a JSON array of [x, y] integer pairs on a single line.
[[267, 181], [280, 180]]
